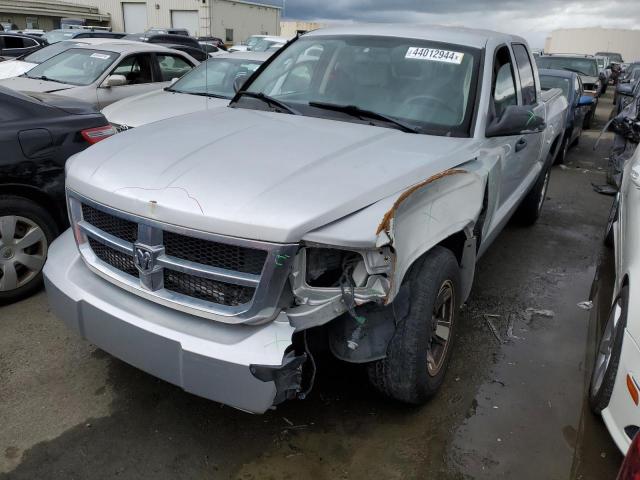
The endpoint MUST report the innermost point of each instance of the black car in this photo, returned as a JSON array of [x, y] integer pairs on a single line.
[[38, 132], [18, 44], [214, 41], [183, 43], [61, 34]]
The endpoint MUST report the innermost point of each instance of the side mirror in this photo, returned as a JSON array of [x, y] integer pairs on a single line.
[[238, 83], [585, 101], [515, 120], [115, 81], [625, 89]]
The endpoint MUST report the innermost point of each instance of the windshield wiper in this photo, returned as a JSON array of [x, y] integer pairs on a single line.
[[270, 100], [45, 78], [361, 113], [200, 94]]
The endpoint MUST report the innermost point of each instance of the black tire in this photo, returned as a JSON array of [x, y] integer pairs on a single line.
[[576, 142], [530, 209], [588, 119], [562, 151], [410, 373], [601, 388], [14, 206], [613, 216]]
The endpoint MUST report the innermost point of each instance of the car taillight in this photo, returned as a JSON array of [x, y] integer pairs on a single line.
[[631, 466], [94, 135]]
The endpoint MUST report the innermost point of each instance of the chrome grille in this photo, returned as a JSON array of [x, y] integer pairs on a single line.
[[222, 278]]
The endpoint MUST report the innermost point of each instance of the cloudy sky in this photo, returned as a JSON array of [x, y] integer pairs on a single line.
[[533, 19]]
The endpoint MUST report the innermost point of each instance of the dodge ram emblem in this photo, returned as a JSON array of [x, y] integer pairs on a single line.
[[143, 259]]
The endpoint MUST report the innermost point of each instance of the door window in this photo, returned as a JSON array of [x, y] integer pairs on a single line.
[[525, 71], [18, 42], [504, 84], [136, 69], [172, 66]]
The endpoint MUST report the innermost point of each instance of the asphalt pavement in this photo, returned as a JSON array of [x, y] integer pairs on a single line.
[[512, 405]]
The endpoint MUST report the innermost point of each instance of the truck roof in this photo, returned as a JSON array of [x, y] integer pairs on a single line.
[[457, 35]]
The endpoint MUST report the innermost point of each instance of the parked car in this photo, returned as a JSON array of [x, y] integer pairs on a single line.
[[164, 38], [103, 74], [54, 36], [17, 44], [613, 56], [579, 105], [17, 66], [604, 64], [347, 195], [247, 44], [269, 44], [38, 132], [213, 79], [171, 31], [214, 41], [584, 65], [211, 49], [626, 126], [615, 387]]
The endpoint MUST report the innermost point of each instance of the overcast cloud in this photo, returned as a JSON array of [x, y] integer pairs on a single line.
[[532, 19]]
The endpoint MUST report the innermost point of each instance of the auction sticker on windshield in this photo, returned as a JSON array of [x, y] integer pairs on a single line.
[[435, 55], [101, 56]]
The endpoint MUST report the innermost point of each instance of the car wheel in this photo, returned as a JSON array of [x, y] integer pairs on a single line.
[[530, 209], [587, 120], [613, 216], [605, 367], [26, 231], [562, 152], [419, 352]]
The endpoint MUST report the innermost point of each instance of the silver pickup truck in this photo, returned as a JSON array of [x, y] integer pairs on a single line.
[[341, 201]]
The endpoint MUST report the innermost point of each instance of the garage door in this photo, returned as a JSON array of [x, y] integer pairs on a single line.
[[186, 19], [135, 17]]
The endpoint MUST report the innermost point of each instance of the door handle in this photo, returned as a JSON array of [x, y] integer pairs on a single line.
[[521, 144]]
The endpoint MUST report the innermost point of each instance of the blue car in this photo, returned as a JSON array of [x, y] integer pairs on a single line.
[[579, 105]]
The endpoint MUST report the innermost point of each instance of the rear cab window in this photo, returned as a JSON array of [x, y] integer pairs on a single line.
[[525, 72]]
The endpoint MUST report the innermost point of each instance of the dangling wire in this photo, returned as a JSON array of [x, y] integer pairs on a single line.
[[303, 395]]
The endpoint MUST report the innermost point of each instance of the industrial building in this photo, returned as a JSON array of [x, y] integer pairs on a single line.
[[291, 28], [231, 20], [592, 40]]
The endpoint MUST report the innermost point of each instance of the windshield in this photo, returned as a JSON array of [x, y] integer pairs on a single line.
[[426, 85], [56, 36], [251, 41], [75, 66], [49, 51], [548, 82], [583, 66], [215, 77]]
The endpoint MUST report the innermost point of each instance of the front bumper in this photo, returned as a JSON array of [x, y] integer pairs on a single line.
[[204, 357], [622, 411]]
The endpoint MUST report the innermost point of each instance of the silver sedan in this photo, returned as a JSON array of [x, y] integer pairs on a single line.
[[103, 74]]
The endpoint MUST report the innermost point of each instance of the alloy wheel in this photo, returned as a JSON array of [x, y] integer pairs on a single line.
[[442, 325], [23, 251], [605, 348]]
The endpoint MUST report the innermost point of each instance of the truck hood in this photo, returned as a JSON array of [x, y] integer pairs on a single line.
[[258, 175], [13, 68], [158, 105], [25, 84]]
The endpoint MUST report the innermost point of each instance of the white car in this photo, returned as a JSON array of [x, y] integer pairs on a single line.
[[213, 80], [247, 44], [615, 381], [17, 66], [103, 74]]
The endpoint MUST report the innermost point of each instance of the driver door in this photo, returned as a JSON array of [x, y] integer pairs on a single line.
[[139, 72]]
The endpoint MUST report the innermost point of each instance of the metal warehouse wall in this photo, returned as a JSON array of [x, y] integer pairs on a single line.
[[244, 19], [215, 16], [592, 40]]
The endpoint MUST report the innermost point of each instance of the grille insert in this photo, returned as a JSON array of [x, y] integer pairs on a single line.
[[213, 254], [206, 289], [118, 227], [113, 257]]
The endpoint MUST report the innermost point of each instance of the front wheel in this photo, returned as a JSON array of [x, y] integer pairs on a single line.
[[607, 359], [26, 231], [420, 349]]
